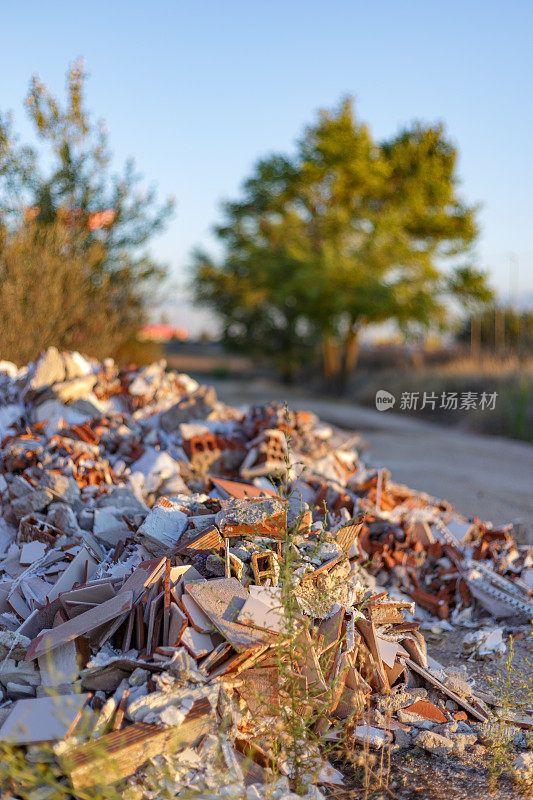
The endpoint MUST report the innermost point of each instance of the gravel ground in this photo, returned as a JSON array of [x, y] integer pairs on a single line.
[[416, 776]]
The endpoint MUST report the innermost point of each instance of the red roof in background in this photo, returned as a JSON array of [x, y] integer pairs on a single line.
[[163, 333]]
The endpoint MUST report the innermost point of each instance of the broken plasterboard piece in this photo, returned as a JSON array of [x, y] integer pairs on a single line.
[[43, 719], [79, 570], [259, 615], [221, 600], [31, 552], [60, 665], [199, 621], [83, 624], [198, 644], [145, 575]]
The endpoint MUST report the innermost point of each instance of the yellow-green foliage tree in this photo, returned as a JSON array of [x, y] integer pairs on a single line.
[[75, 270], [346, 232]]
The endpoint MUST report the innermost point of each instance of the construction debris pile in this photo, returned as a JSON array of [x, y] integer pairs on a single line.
[[154, 545]]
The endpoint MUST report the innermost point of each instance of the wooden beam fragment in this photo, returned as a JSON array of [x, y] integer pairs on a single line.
[[120, 753], [426, 674]]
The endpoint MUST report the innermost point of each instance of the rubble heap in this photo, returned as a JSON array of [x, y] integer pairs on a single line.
[[159, 551]]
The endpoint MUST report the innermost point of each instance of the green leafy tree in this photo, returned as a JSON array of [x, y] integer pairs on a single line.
[[345, 233], [67, 183]]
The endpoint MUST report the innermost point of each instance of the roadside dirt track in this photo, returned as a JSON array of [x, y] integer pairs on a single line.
[[490, 477]]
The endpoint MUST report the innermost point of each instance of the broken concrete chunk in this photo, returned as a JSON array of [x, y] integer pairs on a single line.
[[19, 486], [434, 743], [109, 527], [36, 500], [162, 528], [50, 368], [371, 737], [484, 644], [61, 487], [123, 499], [522, 770], [154, 467], [194, 406], [75, 389], [255, 516], [63, 517], [13, 645]]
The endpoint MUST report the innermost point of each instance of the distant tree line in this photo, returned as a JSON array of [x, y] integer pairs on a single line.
[[499, 330], [75, 270]]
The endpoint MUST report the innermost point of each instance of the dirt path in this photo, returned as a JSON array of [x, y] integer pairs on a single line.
[[489, 477]]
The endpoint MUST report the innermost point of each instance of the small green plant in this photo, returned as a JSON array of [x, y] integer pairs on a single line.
[[514, 687], [517, 412], [38, 775]]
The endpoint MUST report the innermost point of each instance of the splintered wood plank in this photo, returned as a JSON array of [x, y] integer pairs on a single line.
[[240, 491], [388, 612], [368, 632], [330, 629], [426, 674], [85, 623], [308, 661], [259, 688], [221, 599], [345, 537], [208, 540], [120, 753]]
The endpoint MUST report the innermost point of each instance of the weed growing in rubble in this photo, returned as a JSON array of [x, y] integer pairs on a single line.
[[307, 679], [38, 775], [514, 687]]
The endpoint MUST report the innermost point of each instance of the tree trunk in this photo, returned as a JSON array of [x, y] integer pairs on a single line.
[[351, 352], [475, 338], [349, 356], [330, 357], [340, 360]]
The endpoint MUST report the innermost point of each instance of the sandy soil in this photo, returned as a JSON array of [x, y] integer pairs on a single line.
[[490, 477]]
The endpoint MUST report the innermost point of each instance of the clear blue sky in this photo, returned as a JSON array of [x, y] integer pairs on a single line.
[[197, 91]]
